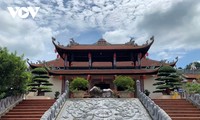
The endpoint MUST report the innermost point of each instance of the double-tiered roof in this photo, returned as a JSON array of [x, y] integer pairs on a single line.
[[103, 58]]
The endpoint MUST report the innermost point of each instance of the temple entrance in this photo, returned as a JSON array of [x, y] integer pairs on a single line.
[[102, 85]]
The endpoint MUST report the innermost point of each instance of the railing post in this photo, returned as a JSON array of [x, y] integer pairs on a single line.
[[67, 88], [138, 87]]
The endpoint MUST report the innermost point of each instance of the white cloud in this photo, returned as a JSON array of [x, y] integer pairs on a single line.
[[117, 36], [175, 26], [23, 35], [175, 29]]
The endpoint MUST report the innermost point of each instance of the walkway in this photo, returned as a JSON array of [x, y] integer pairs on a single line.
[[103, 109]]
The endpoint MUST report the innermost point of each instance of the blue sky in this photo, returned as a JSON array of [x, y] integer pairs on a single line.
[[174, 24]]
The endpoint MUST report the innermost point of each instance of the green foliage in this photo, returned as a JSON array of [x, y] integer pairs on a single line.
[[192, 88], [40, 83], [79, 83], [13, 74], [40, 71], [168, 80], [124, 83]]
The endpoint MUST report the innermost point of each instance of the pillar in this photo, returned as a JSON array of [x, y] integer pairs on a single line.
[[114, 60], [89, 80], [65, 60], [139, 60], [142, 82], [63, 84], [89, 60]]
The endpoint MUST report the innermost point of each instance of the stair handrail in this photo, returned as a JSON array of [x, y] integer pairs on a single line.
[[154, 110], [53, 111], [9, 102], [193, 98]]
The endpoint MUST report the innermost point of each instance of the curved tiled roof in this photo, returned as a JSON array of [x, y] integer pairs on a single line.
[[145, 62], [102, 46], [104, 72]]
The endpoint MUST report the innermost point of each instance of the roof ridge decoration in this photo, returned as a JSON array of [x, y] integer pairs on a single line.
[[132, 42], [102, 42], [72, 42]]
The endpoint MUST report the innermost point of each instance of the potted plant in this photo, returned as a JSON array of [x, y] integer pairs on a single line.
[[78, 87], [125, 86], [146, 92], [57, 93]]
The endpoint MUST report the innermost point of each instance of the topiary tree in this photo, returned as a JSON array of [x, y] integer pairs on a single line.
[[40, 83], [79, 83], [168, 80], [124, 83]]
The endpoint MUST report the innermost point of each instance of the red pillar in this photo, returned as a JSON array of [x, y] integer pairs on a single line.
[[114, 60], [142, 82], [90, 60], [65, 60], [63, 84], [89, 80]]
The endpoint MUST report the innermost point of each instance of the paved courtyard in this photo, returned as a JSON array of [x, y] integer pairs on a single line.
[[103, 109]]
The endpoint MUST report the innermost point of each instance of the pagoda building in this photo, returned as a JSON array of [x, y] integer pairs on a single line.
[[102, 61]]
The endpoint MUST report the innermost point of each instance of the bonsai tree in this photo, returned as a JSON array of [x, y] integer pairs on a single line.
[[40, 83], [79, 83], [168, 80], [124, 83]]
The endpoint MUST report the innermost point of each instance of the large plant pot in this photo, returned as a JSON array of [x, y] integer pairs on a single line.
[[79, 94], [125, 94]]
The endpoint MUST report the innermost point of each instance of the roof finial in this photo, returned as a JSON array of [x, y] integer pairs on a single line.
[[152, 38], [53, 39], [72, 42]]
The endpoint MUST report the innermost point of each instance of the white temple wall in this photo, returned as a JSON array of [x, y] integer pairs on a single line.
[[57, 86], [148, 84]]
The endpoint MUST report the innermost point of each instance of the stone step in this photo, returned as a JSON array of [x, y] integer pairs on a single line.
[[172, 102], [181, 112], [184, 115], [28, 110], [169, 99], [31, 107], [186, 105], [36, 103], [25, 113], [185, 109], [21, 116], [185, 118], [177, 107]]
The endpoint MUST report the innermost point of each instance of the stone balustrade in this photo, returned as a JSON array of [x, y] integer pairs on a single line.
[[9, 102], [194, 99], [154, 110], [53, 111]]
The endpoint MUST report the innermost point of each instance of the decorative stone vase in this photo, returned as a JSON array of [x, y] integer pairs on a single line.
[[79, 94], [125, 94]]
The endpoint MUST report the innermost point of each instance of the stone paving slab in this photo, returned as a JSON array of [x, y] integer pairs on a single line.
[[103, 109]]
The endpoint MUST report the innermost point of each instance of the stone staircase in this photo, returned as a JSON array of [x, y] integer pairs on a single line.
[[179, 109], [31, 109]]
